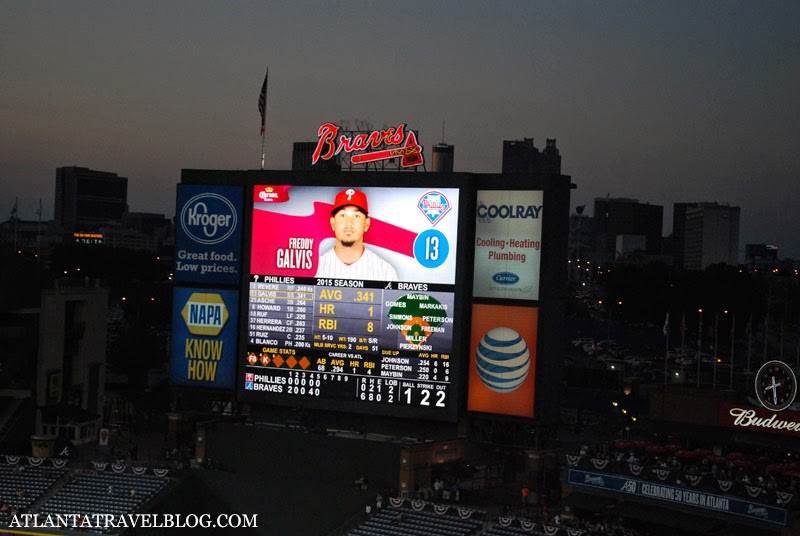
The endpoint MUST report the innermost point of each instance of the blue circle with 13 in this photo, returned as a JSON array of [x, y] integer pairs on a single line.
[[431, 248]]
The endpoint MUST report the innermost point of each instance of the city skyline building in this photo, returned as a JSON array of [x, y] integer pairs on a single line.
[[86, 199], [443, 158], [614, 217], [711, 236], [521, 156]]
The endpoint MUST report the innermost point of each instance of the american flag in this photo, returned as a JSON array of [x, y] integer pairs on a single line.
[[262, 102]]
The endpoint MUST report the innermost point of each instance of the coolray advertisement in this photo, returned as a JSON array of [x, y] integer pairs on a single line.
[[508, 241], [352, 296], [204, 334], [502, 368], [208, 234]]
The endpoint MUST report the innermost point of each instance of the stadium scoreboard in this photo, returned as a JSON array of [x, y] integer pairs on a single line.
[[371, 345]]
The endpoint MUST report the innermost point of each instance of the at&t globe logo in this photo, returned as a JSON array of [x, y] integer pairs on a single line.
[[208, 218], [503, 360]]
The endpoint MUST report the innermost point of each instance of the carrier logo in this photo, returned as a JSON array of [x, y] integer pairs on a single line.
[[505, 278], [506, 212], [208, 218], [205, 314], [434, 205]]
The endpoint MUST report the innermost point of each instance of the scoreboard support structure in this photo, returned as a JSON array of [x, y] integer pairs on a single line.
[[347, 346]]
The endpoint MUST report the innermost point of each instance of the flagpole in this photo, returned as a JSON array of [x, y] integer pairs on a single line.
[[733, 346], [699, 343], [716, 354], [683, 344], [263, 151], [39, 233], [666, 349], [749, 340], [766, 324], [262, 108]]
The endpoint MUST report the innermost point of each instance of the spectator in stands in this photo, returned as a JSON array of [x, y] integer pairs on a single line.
[[437, 489], [455, 492], [133, 492], [524, 492]]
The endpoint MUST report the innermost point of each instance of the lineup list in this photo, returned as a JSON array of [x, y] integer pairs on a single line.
[[351, 340]]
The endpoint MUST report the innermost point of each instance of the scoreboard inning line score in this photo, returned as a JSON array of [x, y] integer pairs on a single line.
[[369, 343]]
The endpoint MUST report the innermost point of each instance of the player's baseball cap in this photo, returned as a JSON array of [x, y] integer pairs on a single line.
[[350, 196]]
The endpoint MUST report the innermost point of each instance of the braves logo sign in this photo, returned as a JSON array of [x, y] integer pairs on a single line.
[[331, 144]]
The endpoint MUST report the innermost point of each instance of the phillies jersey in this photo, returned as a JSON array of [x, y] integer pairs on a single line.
[[369, 266]]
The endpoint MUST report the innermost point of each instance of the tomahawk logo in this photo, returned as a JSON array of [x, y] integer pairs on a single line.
[[331, 143]]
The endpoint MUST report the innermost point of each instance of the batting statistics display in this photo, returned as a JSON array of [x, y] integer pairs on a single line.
[[351, 296]]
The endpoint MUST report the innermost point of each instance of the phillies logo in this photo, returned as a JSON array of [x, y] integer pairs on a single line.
[[328, 146]]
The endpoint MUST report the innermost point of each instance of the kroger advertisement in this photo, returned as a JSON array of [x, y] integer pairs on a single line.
[[678, 495], [508, 240], [208, 234], [204, 337], [401, 234]]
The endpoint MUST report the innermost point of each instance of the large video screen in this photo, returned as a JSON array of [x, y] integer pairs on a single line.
[[352, 298]]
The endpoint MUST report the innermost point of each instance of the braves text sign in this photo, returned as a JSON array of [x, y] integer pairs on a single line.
[[394, 142]]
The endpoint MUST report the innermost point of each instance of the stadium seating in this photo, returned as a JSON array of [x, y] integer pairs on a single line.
[[408, 521], [22, 485]]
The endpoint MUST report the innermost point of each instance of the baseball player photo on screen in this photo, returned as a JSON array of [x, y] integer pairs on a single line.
[[349, 258], [352, 297], [369, 233]]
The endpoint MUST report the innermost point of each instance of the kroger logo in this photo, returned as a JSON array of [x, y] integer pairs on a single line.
[[505, 278], [208, 218]]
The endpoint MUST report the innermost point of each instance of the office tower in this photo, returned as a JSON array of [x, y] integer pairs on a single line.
[[620, 217], [711, 235], [303, 154], [87, 200], [443, 156], [520, 156]]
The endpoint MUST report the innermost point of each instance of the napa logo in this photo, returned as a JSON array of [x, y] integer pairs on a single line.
[[505, 278], [208, 218], [205, 314], [503, 360]]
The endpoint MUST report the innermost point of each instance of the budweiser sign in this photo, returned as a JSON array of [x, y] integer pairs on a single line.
[[394, 142], [758, 419]]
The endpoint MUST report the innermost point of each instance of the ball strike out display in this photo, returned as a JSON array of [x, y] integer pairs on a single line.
[[351, 296]]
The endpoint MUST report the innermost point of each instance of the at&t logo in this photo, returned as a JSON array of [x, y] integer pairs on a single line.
[[208, 218]]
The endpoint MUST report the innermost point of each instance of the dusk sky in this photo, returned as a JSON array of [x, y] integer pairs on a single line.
[[659, 101]]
